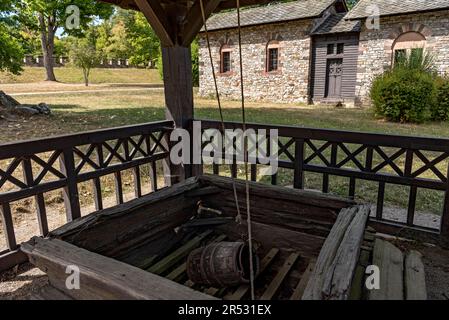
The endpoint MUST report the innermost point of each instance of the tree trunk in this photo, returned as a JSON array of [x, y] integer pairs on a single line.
[[48, 30], [86, 77]]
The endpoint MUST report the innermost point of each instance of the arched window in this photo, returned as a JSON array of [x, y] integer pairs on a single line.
[[406, 43], [272, 56], [225, 59]]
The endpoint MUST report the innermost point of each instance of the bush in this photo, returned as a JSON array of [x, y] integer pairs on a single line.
[[403, 95], [440, 106]]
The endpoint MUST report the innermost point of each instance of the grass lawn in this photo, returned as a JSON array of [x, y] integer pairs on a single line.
[[75, 75], [88, 111]]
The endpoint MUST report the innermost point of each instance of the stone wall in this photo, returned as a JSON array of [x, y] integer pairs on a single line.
[[376, 46], [288, 84]]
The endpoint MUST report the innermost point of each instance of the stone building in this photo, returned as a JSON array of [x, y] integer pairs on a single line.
[[315, 51]]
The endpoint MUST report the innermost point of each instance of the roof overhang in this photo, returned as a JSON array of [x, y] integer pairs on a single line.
[[177, 22]]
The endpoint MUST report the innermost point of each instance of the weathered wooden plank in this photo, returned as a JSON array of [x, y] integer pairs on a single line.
[[273, 287], [146, 217], [281, 193], [264, 264], [8, 226], [268, 234], [207, 222], [338, 278], [49, 292], [356, 292], [327, 254], [101, 277], [390, 261], [299, 290], [12, 259], [415, 279], [178, 272], [180, 253], [204, 191]]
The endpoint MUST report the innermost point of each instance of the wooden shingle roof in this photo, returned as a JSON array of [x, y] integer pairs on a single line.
[[396, 7], [272, 13]]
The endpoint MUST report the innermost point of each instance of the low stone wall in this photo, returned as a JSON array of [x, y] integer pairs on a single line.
[[31, 61]]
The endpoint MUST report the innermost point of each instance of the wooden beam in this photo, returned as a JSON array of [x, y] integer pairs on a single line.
[[194, 19], [390, 261], [179, 254], [101, 277], [281, 275], [244, 288], [157, 18], [415, 279], [12, 259], [177, 62], [301, 287]]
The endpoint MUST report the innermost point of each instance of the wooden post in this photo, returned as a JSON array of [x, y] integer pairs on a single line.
[[445, 217], [70, 192], [177, 63], [299, 163]]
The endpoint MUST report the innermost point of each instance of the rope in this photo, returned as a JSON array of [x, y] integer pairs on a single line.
[[245, 150], [218, 101], [248, 210]]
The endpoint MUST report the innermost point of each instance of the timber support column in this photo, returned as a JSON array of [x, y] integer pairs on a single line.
[[177, 23], [177, 64]]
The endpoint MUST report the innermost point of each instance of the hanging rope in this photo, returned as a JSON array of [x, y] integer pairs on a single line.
[[245, 151], [245, 147], [218, 100]]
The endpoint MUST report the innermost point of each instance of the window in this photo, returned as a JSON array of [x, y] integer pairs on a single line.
[[272, 56], [273, 59], [408, 44], [340, 48], [225, 61], [399, 55], [330, 48]]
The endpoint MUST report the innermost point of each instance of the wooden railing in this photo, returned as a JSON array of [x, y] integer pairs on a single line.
[[411, 162], [33, 168]]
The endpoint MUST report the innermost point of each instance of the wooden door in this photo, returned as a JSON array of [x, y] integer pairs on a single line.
[[334, 76]]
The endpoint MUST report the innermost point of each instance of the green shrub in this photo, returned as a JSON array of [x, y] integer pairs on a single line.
[[440, 106], [418, 59], [403, 95]]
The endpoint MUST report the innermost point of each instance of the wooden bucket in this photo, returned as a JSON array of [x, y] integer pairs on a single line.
[[223, 264]]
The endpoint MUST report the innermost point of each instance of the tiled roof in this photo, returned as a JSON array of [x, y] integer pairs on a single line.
[[394, 7], [336, 24], [279, 12]]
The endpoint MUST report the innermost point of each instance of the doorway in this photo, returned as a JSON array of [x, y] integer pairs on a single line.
[[333, 78]]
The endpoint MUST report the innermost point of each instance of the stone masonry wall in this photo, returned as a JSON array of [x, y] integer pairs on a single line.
[[376, 46], [288, 84]]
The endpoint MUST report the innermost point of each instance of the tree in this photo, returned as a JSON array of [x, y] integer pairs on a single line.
[[47, 16], [11, 53], [84, 55], [144, 42], [351, 3]]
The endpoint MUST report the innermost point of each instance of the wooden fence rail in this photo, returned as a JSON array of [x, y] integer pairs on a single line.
[[412, 162], [33, 168]]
